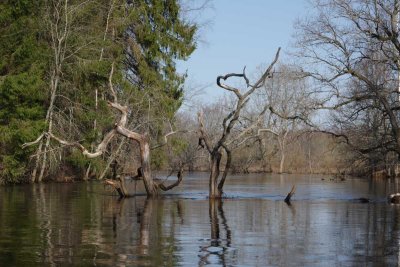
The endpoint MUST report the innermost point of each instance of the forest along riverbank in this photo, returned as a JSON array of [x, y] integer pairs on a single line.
[[81, 223]]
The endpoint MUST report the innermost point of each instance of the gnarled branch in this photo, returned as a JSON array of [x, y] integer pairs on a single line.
[[177, 182]]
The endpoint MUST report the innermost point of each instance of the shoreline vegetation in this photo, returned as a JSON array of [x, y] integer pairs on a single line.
[[92, 90]]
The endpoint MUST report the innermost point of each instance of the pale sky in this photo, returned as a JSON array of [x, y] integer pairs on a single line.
[[242, 33]]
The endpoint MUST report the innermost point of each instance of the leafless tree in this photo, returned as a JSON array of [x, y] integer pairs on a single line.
[[352, 48], [230, 136], [287, 94]]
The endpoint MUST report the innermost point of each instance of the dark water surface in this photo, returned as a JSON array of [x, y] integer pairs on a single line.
[[81, 224]]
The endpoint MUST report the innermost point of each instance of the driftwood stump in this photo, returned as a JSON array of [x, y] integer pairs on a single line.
[[291, 193]]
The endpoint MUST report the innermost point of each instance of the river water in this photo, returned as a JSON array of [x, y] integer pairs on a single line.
[[83, 224]]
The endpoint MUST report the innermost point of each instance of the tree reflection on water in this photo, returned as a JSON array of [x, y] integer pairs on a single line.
[[220, 243], [75, 225]]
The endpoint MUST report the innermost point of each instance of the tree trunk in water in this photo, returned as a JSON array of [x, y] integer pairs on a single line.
[[119, 185], [215, 171], [226, 171], [143, 140], [290, 194], [150, 186]]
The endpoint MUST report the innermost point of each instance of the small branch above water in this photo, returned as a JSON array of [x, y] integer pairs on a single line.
[[289, 196]]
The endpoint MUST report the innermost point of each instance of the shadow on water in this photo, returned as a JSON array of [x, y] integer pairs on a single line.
[[73, 225]]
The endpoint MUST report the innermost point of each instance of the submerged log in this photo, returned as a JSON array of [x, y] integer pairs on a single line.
[[291, 193]]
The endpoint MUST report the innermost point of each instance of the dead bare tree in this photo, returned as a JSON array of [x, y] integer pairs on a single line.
[[227, 141], [120, 127]]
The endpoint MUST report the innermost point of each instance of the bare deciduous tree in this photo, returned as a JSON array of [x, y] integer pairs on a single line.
[[230, 135], [287, 94], [352, 48]]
